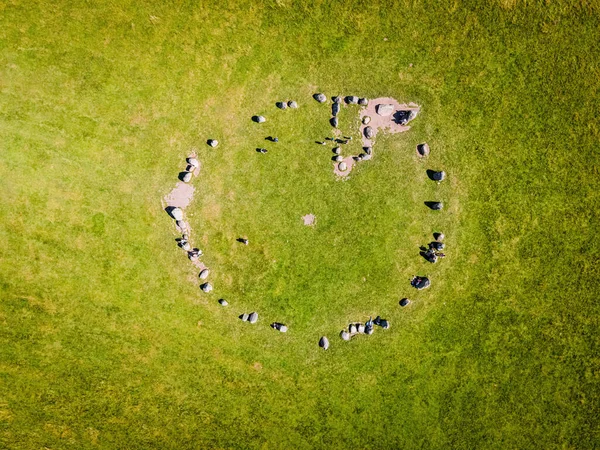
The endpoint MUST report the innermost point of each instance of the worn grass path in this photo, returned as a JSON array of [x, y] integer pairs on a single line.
[[105, 339]]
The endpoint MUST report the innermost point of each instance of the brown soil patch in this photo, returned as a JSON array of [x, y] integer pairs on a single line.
[[349, 165], [309, 220], [386, 123]]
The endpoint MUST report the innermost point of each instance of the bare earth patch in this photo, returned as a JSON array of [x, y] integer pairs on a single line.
[[309, 220], [387, 123]]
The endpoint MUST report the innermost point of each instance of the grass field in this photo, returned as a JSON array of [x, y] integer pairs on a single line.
[[106, 340]]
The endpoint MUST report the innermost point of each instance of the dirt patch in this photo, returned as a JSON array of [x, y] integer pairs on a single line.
[[349, 161], [388, 123], [309, 220]]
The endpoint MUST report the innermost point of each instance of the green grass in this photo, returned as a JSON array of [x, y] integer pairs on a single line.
[[106, 340]]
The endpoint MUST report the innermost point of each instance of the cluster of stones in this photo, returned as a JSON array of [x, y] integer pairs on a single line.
[[367, 328]]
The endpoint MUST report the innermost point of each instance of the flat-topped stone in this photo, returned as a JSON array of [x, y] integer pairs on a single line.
[[204, 274], [177, 213], [385, 109]]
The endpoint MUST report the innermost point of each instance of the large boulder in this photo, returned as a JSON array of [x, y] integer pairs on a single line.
[[324, 343], [204, 274], [384, 109], [369, 132], [320, 98], [187, 177], [253, 317], [177, 213]]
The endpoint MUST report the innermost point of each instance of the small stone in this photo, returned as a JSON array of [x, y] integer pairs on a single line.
[[369, 330], [253, 317], [436, 206], [281, 105], [337, 99], [337, 158], [342, 166], [404, 302], [244, 317], [206, 287], [213, 142], [345, 335], [223, 302], [324, 343], [259, 119], [337, 150], [320, 98], [366, 120], [334, 122], [423, 149], [369, 132], [204, 274], [193, 162], [363, 101], [177, 213], [187, 177], [292, 104], [368, 150], [335, 109], [384, 109]]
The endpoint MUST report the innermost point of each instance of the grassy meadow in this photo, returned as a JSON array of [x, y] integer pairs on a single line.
[[106, 340]]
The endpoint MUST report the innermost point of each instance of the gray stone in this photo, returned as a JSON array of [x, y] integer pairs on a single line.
[[352, 99], [253, 317], [384, 109], [335, 109], [193, 162], [366, 120], [334, 122], [352, 329], [185, 245], [187, 177], [369, 132], [337, 150], [337, 99], [404, 302], [423, 149], [368, 150], [259, 119], [324, 343], [439, 236], [244, 317], [363, 101], [177, 213], [213, 142], [181, 224], [337, 158], [206, 287], [361, 156], [345, 335], [439, 176], [204, 274], [281, 105], [361, 328], [223, 302], [292, 104], [342, 166], [367, 157], [368, 331], [320, 98]]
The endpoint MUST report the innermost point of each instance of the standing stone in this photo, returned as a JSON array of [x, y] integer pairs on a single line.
[[244, 317], [223, 302], [193, 162], [363, 101], [334, 122], [324, 343], [342, 166], [253, 317], [404, 302], [335, 109], [423, 149], [352, 329], [345, 335], [259, 119], [281, 105], [337, 150], [439, 176], [292, 104], [187, 177], [213, 142], [206, 287], [366, 120], [361, 328], [320, 98], [369, 133], [177, 213], [204, 274]]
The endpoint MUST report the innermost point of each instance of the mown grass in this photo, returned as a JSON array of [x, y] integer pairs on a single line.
[[107, 341]]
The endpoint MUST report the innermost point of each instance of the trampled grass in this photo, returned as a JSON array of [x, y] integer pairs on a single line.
[[108, 342]]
